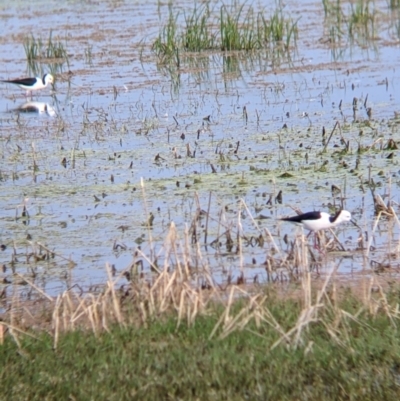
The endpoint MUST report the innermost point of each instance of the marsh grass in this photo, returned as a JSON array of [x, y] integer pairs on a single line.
[[166, 46], [33, 48], [351, 23], [171, 332], [362, 20], [259, 346], [197, 35], [394, 4], [55, 49], [237, 29], [178, 283], [234, 28], [36, 49], [50, 52], [89, 54]]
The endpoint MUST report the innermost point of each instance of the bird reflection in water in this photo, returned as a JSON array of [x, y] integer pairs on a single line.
[[37, 107]]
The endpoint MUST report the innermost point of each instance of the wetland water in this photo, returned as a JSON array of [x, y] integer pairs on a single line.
[[238, 126]]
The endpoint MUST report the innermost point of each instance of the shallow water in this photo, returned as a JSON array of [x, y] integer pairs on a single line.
[[120, 118]]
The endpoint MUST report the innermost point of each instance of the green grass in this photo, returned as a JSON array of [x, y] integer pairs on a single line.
[[159, 361], [51, 52], [277, 30], [197, 35], [394, 4], [237, 29], [354, 22], [36, 49], [362, 18], [166, 46], [33, 48], [233, 28]]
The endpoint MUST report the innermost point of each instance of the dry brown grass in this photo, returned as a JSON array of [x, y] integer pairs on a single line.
[[174, 290]]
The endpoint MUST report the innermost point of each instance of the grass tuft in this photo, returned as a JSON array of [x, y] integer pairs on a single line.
[[166, 46], [394, 4], [235, 28], [52, 53], [362, 19], [35, 49], [236, 31], [197, 35], [354, 22]]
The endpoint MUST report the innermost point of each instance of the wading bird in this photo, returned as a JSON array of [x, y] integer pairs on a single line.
[[32, 84], [316, 221]]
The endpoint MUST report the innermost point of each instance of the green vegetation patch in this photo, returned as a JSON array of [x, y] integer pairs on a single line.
[[51, 52], [231, 28], [161, 361]]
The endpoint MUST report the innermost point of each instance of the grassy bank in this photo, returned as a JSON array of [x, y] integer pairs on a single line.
[[346, 351]]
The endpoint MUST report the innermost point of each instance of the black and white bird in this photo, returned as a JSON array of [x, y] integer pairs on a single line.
[[316, 221], [32, 84]]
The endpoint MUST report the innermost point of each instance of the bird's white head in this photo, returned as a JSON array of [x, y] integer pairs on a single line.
[[344, 215], [48, 79]]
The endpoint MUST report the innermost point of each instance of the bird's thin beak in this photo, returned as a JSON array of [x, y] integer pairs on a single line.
[[355, 224]]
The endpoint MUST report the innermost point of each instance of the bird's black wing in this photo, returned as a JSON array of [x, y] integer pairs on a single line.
[[302, 217], [23, 81]]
